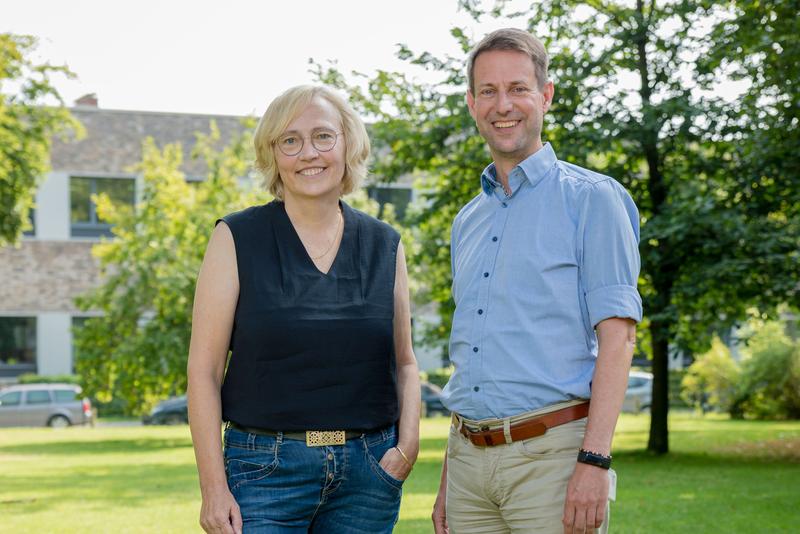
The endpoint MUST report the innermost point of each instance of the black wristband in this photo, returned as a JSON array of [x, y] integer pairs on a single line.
[[592, 458]]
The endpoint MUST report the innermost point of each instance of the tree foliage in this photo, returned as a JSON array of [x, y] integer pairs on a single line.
[[136, 350], [637, 98], [31, 113]]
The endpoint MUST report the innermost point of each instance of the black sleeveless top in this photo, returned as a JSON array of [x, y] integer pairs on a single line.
[[311, 351]]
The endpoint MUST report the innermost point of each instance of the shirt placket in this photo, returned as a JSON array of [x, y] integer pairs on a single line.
[[478, 336]]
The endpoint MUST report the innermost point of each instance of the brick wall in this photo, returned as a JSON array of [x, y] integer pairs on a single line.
[[42, 276]]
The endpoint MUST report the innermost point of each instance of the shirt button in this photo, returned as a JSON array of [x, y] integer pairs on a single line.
[[494, 238], [480, 312], [476, 388], [474, 349], [330, 456], [486, 275]]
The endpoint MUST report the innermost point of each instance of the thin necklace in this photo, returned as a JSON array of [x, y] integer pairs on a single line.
[[335, 235]]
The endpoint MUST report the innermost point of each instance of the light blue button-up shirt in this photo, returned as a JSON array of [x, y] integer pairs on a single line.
[[533, 273]]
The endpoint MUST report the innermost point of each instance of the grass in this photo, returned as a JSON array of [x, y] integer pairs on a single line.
[[721, 476]]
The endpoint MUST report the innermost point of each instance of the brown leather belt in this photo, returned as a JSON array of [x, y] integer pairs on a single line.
[[530, 428]]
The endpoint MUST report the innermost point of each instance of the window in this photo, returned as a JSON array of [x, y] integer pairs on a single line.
[[64, 395], [17, 345], [84, 219], [31, 232], [399, 197], [37, 396], [11, 399]]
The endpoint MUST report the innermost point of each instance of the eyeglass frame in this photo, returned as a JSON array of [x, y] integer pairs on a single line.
[[303, 141]]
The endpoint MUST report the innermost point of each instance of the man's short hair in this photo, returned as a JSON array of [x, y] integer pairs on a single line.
[[511, 39], [286, 108]]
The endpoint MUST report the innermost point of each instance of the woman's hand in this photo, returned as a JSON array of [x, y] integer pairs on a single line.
[[219, 513], [394, 464]]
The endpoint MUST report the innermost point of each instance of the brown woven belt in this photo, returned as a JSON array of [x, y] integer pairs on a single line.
[[529, 428]]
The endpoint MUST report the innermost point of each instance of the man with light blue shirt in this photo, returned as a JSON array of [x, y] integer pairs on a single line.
[[545, 263]]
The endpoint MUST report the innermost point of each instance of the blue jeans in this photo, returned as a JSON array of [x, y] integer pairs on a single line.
[[284, 486]]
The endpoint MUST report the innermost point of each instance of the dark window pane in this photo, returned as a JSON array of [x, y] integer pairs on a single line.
[[37, 396], [64, 395], [17, 340], [399, 197], [119, 191], [32, 220], [85, 222], [80, 190], [10, 399]]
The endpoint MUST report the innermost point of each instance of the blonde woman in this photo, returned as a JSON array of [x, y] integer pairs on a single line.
[[321, 393]]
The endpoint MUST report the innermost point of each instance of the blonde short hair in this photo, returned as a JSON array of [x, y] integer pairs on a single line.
[[286, 108]]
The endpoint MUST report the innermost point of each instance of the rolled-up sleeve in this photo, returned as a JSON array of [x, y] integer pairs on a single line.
[[610, 253]]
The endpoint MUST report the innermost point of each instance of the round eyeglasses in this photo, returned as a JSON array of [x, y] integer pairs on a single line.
[[323, 140]]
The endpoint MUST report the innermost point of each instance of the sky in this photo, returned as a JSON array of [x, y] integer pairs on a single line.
[[229, 58]]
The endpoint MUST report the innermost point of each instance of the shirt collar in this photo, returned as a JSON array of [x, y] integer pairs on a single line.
[[534, 168]]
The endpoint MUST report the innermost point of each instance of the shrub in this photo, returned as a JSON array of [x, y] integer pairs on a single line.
[[32, 378], [770, 383], [710, 382]]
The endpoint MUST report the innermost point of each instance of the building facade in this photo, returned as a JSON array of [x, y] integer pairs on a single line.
[[53, 263]]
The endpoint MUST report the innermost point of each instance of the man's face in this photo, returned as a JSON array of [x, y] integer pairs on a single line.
[[508, 106]]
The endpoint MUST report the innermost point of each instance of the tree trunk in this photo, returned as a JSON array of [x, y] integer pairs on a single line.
[[659, 408]]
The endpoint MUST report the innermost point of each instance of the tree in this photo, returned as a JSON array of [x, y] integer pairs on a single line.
[[719, 232], [136, 350], [28, 122]]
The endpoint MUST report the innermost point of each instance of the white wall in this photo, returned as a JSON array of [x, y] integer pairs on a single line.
[[54, 343], [52, 208]]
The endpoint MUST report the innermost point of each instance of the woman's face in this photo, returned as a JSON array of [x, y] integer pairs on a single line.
[[312, 173]]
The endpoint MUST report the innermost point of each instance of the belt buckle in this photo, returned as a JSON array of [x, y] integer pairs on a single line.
[[321, 438]]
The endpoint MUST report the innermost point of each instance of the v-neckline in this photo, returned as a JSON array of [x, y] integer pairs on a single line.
[[309, 260]]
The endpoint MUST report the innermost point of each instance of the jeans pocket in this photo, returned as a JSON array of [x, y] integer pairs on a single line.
[[247, 465], [557, 443], [454, 442], [374, 452]]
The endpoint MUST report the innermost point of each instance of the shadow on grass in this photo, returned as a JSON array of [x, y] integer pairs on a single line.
[[83, 447]]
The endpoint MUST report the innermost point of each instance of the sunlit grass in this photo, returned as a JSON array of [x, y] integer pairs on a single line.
[[721, 476]]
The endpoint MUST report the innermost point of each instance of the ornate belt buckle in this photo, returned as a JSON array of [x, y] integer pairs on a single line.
[[320, 438]]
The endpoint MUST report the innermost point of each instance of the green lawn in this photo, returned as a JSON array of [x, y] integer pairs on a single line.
[[721, 476]]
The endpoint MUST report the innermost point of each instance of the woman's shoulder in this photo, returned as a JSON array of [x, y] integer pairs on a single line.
[[253, 214], [372, 224]]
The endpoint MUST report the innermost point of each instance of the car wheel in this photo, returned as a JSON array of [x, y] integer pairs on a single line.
[[58, 421]]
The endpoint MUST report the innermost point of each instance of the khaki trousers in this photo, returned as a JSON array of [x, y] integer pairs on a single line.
[[518, 487]]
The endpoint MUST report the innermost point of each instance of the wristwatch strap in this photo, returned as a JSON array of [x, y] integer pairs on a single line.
[[593, 458]]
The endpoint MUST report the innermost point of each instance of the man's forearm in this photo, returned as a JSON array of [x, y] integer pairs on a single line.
[[616, 342]]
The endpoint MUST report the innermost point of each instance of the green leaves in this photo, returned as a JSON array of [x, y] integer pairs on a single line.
[[28, 121], [137, 350]]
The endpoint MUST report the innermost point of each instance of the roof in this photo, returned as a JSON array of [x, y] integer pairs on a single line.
[[113, 141]]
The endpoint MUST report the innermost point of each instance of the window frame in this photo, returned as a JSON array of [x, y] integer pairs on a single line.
[[93, 227]]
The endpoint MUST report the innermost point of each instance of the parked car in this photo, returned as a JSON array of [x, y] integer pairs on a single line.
[[172, 411], [639, 394], [432, 400], [54, 405]]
